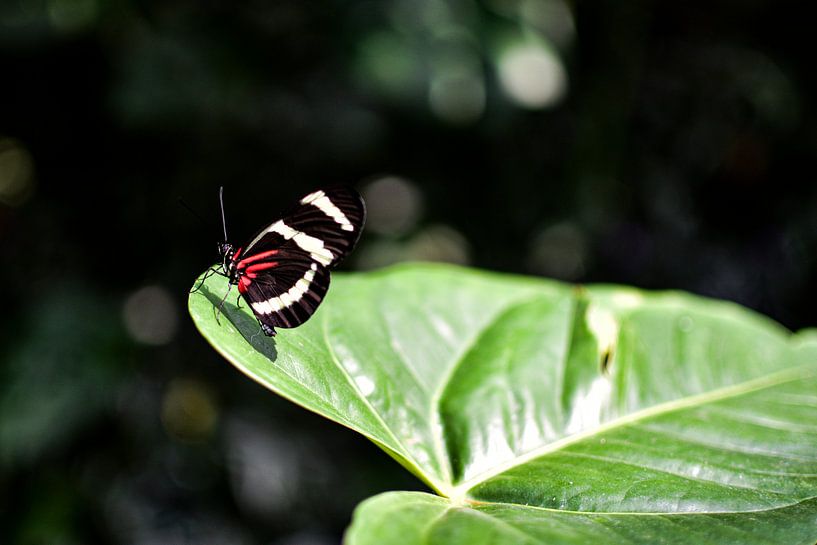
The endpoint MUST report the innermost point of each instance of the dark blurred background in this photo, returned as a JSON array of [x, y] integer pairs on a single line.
[[658, 144]]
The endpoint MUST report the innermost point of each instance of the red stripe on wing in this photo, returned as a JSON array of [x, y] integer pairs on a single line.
[[243, 284], [257, 257], [258, 267]]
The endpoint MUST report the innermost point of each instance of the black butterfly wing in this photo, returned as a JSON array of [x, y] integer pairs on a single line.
[[283, 272], [288, 294], [326, 224]]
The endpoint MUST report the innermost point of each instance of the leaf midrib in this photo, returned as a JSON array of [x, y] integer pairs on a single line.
[[476, 504], [418, 470], [459, 492], [436, 419]]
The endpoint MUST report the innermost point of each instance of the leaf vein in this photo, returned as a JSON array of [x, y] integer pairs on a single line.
[[735, 390], [439, 393], [663, 470], [728, 447], [398, 443]]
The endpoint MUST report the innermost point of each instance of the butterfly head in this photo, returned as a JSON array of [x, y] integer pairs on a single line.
[[226, 251]]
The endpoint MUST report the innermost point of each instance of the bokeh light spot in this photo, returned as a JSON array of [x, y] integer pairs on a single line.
[[386, 62], [559, 251], [552, 17], [379, 253], [189, 412], [435, 243], [72, 15], [458, 99], [16, 173], [440, 243], [532, 76], [264, 466], [151, 316], [393, 205]]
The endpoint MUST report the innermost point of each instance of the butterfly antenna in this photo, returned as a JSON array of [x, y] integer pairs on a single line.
[[223, 217], [196, 215]]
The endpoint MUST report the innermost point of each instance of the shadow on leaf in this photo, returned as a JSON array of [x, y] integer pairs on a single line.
[[244, 322]]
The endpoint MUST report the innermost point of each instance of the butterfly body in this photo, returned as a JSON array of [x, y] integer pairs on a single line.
[[283, 272]]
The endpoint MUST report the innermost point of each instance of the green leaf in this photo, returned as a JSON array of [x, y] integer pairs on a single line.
[[545, 413], [414, 517]]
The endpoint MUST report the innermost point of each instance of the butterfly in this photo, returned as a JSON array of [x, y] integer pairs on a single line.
[[283, 271]]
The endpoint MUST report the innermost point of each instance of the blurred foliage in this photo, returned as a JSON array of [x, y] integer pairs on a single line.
[[658, 144]]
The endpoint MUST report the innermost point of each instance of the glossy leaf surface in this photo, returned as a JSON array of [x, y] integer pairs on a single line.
[[545, 413]]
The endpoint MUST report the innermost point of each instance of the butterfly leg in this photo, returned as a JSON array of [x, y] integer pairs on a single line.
[[210, 272], [269, 331], [221, 305]]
